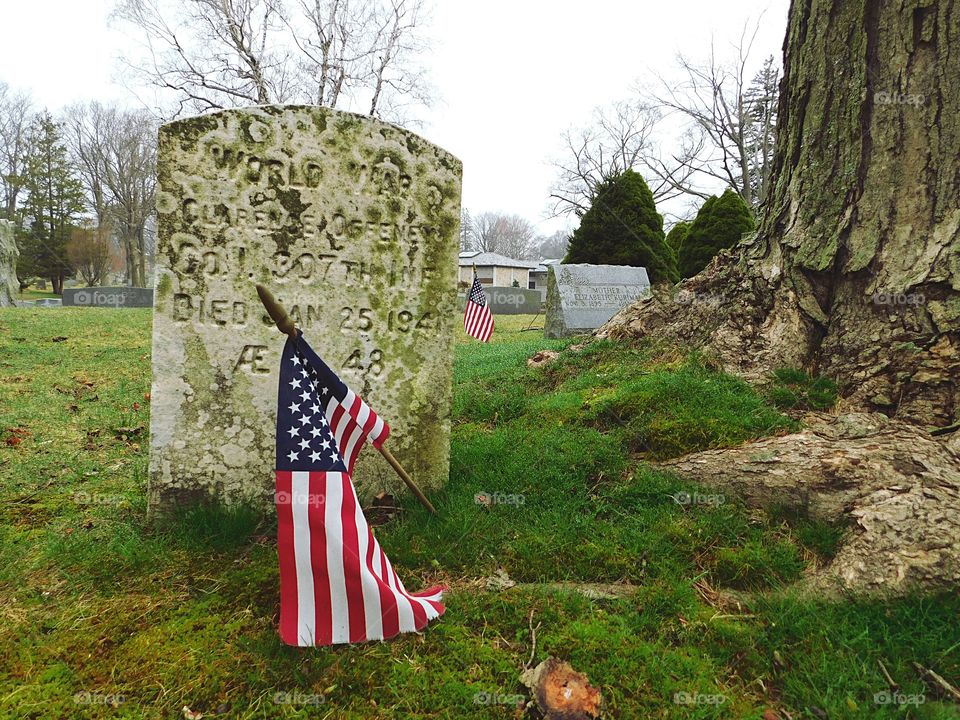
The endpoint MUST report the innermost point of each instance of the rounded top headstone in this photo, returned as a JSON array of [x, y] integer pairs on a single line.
[[353, 224]]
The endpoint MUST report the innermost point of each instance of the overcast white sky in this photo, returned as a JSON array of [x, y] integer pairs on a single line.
[[510, 75]]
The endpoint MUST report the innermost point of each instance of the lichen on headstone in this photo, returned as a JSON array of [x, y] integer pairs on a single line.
[[9, 286], [353, 225]]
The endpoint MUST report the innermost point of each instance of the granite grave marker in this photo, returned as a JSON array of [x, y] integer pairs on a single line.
[[353, 225], [108, 297], [581, 297]]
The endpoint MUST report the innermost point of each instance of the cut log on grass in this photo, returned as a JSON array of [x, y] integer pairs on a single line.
[[898, 485], [562, 693]]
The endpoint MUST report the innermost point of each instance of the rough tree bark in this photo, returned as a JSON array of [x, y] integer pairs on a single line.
[[854, 272]]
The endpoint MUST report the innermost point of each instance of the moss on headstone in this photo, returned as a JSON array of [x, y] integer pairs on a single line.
[[353, 225]]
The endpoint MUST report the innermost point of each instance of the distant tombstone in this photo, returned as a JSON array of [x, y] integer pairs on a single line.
[[9, 286], [508, 301], [580, 298], [108, 297], [352, 223], [48, 302], [513, 300]]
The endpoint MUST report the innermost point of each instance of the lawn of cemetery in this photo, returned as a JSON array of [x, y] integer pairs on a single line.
[[557, 535]]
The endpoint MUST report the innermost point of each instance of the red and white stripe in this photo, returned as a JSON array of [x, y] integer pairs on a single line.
[[352, 420], [336, 583], [478, 321]]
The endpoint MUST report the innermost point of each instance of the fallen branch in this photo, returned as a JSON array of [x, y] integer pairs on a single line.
[[894, 686], [937, 683], [533, 639]]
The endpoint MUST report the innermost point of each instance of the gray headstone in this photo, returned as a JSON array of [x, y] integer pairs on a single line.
[[512, 300], [508, 301], [48, 302], [581, 298], [353, 224], [108, 297], [9, 286]]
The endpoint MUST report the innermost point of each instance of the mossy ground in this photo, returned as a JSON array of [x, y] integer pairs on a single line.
[[150, 620]]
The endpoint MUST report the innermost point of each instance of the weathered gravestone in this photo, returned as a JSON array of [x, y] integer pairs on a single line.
[[9, 287], [108, 297], [353, 224], [580, 298]]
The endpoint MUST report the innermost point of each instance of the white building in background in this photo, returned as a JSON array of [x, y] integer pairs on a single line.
[[493, 269], [538, 277]]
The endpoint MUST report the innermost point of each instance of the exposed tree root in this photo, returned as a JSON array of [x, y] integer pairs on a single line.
[[899, 485]]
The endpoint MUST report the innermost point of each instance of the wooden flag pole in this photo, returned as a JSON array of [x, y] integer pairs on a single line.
[[285, 324], [406, 478], [277, 312]]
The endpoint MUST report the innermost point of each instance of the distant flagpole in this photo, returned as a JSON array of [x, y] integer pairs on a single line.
[[477, 318]]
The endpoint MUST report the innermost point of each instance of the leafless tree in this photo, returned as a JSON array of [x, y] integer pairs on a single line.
[[330, 52], [468, 233], [510, 235], [16, 115], [720, 139], [213, 54], [553, 246], [89, 253], [395, 82], [115, 151], [616, 140], [84, 130]]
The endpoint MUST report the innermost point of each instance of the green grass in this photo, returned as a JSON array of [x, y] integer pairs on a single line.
[[184, 614], [793, 389], [34, 294]]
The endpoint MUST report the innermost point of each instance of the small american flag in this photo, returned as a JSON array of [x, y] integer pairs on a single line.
[[478, 320], [336, 583]]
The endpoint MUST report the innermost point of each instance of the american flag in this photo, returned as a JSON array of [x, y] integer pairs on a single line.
[[336, 583], [478, 320]]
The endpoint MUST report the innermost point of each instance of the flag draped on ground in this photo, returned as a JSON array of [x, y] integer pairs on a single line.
[[477, 319], [336, 583]]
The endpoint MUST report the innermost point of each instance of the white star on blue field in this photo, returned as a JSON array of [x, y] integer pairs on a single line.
[[304, 439]]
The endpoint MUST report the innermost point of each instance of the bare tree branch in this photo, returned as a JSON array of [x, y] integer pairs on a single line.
[[213, 54], [16, 115], [617, 140]]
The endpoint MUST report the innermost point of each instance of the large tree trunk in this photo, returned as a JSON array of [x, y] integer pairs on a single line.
[[854, 272]]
